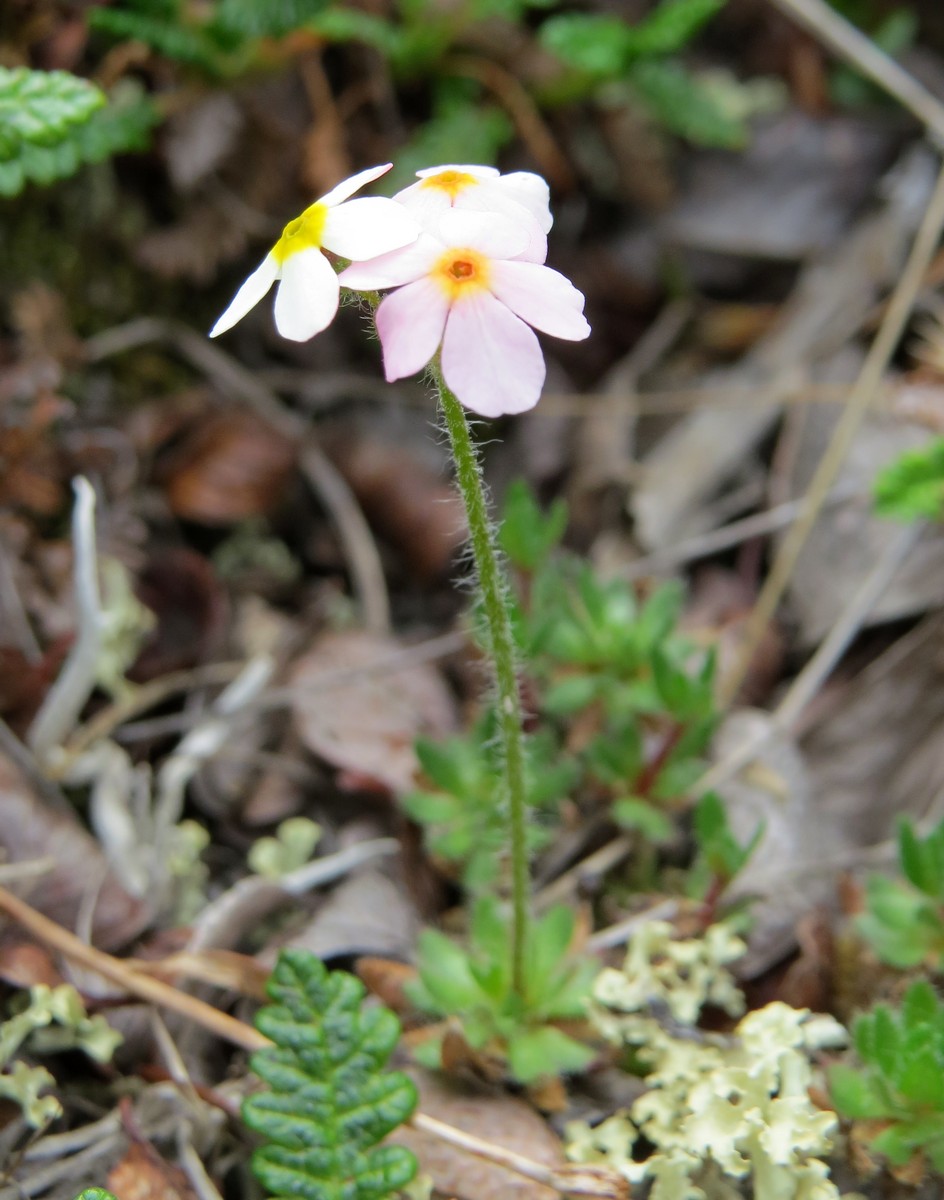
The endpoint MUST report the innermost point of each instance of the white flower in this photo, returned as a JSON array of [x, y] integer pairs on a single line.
[[464, 286], [520, 196], [307, 297]]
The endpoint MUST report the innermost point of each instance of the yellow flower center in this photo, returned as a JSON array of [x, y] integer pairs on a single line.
[[450, 182], [304, 233], [462, 272]]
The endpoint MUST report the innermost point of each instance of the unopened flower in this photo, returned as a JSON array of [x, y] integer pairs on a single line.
[[521, 196], [465, 287], [307, 296]]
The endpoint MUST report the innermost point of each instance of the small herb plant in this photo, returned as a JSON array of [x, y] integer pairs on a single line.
[[607, 674], [459, 809], [331, 1101], [475, 985], [899, 1088], [903, 920]]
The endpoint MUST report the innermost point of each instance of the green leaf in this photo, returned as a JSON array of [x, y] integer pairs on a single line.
[[330, 1100], [912, 487], [430, 808], [570, 695], [898, 1143], [446, 973], [94, 1193], [922, 860], [677, 100], [551, 936], [525, 533], [123, 124], [596, 45], [671, 26], [41, 108], [537, 1053], [258, 18], [854, 1094], [638, 815]]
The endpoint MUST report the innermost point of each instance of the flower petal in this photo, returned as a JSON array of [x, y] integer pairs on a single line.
[[366, 228], [462, 168], [532, 192], [490, 358], [248, 295], [347, 187], [307, 298], [410, 323], [490, 233], [396, 268], [425, 203], [542, 297]]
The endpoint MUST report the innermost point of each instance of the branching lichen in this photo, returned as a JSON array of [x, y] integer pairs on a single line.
[[719, 1108], [54, 1019]]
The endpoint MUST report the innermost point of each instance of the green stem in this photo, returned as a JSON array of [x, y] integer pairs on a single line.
[[492, 583]]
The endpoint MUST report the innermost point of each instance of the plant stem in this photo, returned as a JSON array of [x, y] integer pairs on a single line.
[[492, 583]]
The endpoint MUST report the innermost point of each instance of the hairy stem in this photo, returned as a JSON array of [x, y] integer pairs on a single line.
[[492, 584]]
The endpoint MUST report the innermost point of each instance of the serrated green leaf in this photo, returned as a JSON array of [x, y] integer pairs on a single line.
[[40, 108], [331, 1100]]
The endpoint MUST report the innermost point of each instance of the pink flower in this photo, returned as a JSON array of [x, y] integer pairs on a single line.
[[521, 196], [307, 296], [467, 287]]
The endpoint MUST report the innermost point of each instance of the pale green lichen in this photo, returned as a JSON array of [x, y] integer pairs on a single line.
[[681, 975], [54, 1019], [719, 1109], [292, 847], [125, 623]]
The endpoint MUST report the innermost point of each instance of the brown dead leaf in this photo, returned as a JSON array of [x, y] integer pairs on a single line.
[[493, 1116], [362, 716], [230, 466], [24, 964], [410, 505], [31, 829], [386, 978], [182, 590], [143, 1175], [368, 913]]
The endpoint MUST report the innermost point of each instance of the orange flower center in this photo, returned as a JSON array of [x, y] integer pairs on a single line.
[[450, 182], [460, 272]]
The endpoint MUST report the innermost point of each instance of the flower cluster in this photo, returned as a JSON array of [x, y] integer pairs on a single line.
[[463, 250]]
